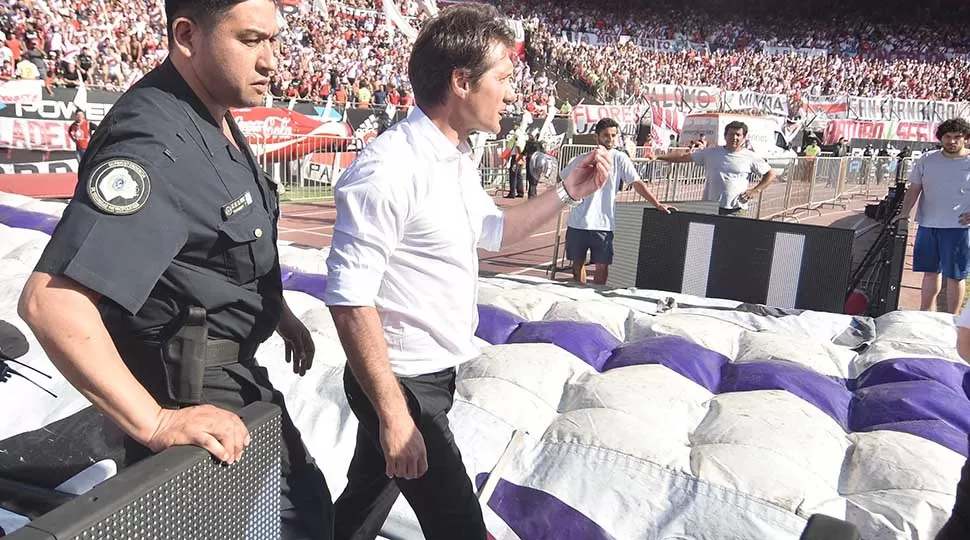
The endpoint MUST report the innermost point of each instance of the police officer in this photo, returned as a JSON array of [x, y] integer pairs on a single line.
[[163, 275]]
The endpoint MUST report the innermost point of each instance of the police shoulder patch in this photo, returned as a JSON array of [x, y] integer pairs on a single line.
[[119, 187]]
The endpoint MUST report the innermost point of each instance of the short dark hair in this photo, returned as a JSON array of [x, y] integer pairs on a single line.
[[736, 125], [459, 37], [202, 11], [605, 123], [953, 125]]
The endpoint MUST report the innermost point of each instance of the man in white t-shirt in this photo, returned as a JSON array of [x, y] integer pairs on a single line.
[[591, 224], [940, 184], [728, 169]]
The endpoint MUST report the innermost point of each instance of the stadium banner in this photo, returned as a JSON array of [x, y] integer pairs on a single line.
[[40, 167], [45, 135], [801, 51], [909, 110], [20, 91], [886, 130], [757, 103], [871, 108], [825, 107], [581, 37], [672, 45], [585, 117], [688, 99]]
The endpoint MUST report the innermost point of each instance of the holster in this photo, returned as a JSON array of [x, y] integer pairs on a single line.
[[184, 358]]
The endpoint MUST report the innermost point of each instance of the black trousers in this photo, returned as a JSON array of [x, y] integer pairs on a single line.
[[306, 507], [515, 181], [958, 526], [443, 499]]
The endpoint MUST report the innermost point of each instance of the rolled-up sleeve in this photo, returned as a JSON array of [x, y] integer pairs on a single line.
[[493, 226], [372, 208]]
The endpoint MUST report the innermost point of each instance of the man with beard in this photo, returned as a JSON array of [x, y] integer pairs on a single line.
[[940, 186]]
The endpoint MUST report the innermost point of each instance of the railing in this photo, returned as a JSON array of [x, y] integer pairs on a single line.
[[306, 168], [802, 185]]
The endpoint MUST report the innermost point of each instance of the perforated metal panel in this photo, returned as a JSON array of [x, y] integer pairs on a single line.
[[183, 493]]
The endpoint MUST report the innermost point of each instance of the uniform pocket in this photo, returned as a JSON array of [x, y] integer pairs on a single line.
[[249, 245]]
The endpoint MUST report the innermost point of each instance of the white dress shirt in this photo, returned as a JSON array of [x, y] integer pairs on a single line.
[[410, 213]]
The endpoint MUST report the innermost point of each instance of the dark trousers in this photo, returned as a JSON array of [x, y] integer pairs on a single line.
[[515, 181], [443, 499], [958, 526], [533, 184], [306, 508]]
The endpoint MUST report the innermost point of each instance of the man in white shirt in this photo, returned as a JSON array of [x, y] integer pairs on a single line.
[[591, 224], [403, 274], [940, 183], [727, 169]]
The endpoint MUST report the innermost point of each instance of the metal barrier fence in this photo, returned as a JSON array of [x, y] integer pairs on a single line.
[[802, 184], [307, 168]]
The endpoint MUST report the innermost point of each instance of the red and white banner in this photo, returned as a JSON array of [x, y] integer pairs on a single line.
[[585, 117], [688, 99], [825, 107], [285, 134], [40, 167], [47, 135], [665, 123], [756, 103], [876, 129], [20, 91]]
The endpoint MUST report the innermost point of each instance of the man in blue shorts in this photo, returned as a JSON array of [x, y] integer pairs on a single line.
[[591, 224], [940, 183]]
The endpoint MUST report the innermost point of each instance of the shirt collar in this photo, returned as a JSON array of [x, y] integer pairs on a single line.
[[169, 78], [441, 146]]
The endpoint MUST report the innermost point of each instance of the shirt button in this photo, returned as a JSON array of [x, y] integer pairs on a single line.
[[258, 232]]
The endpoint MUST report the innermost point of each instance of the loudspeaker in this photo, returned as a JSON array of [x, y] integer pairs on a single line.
[[784, 265]]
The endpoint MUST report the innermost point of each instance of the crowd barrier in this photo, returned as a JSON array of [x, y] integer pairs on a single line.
[[181, 493], [306, 168], [802, 185]]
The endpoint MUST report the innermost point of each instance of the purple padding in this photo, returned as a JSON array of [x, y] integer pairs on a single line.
[[533, 514], [935, 430], [313, 284], [949, 374], [7, 211], [22, 219], [495, 325], [829, 395], [908, 401], [697, 363], [589, 341]]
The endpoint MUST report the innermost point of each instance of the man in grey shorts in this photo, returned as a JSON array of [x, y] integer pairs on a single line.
[[728, 168]]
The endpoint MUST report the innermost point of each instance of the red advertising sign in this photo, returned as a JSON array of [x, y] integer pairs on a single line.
[[284, 134]]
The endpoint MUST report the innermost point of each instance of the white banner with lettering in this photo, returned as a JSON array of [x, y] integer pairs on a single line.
[[585, 117], [803, 51], [20, 91], [688, 99], [907, 110], [754, 102], [672, 45]]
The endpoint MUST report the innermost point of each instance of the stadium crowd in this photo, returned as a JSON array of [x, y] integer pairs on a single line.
[[351, 55], [843, 53]]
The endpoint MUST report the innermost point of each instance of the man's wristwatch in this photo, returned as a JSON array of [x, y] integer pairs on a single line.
[[565, 197]]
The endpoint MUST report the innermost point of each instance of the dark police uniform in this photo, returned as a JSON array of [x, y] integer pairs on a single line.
[[168, 215]]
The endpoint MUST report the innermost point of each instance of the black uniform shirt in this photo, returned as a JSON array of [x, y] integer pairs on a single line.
[[167, 213]]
